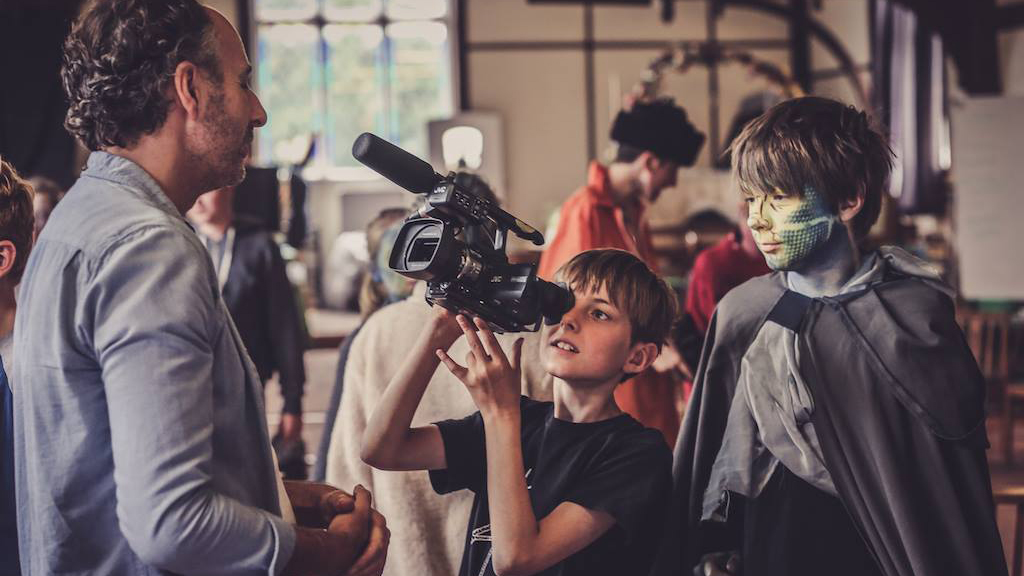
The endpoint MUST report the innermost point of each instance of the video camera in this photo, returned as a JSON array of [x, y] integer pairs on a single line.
[[467, 272]]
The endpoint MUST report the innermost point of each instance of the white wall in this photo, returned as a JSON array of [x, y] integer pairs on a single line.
[[526, 62], [541, 90]]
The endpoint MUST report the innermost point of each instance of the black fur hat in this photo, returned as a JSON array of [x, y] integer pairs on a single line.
[[660, 127]]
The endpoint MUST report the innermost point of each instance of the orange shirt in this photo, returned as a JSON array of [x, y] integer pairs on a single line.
[[590, 219]]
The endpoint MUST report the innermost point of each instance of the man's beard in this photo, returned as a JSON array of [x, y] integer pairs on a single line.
[[218, 157]]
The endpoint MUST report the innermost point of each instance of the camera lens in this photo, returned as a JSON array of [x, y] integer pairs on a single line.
[[422, 250], [555, 300]]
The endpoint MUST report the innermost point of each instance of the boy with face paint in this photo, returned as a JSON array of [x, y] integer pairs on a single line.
[[836, 424]]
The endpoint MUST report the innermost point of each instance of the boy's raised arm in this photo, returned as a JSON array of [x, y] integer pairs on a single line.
[[389, 443], [521, 544]]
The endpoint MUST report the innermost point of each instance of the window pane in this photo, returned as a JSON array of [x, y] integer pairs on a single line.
[[352, 10], [288, 77], [270, 10], [420, 85], [416, 9], [354, 95]]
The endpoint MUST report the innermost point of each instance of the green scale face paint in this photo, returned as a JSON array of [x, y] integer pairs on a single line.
[[788, 227]]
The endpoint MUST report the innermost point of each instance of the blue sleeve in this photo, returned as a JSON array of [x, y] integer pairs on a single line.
[[154, 310], [8, 520]]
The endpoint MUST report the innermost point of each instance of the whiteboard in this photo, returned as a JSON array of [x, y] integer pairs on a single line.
[[988, 197]]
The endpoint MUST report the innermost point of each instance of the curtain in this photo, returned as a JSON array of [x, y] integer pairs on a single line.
[[32, 102], [909, 78]]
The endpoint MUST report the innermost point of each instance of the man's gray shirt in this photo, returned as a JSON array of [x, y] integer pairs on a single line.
[[141, 441]]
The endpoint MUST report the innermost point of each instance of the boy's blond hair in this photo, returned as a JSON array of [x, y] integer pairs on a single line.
[[16, 218], [633, 287]]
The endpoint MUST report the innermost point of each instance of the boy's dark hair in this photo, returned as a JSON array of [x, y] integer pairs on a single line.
[[816, 142], [633, 287], [119, 61], [16, 218]]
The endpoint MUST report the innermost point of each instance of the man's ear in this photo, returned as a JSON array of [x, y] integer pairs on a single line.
[[8, 256], [187, 80], [850, 208], [650, 161], [641, 355]]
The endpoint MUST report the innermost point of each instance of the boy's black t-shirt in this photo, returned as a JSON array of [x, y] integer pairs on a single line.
[[615, 465]]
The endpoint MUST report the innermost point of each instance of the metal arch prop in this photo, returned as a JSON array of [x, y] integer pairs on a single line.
[[820, 31], [681, 57]]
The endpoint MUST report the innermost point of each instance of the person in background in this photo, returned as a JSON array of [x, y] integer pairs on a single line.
[[432, 528], [380, 286], [141, 441], [654, 139], [16, 238], [47, 195], [251, 275], [729, 263]]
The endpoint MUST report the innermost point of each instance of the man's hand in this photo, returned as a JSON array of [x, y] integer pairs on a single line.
[[346, 544], [291, 427], [492, 380], [371, 562], [719, 564], [354, 526], [316, 503]]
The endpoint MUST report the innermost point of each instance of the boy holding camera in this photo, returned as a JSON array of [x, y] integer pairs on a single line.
[[568, 487]]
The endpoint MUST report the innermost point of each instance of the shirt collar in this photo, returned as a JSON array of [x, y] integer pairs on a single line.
[[597, 183], [107, 166]]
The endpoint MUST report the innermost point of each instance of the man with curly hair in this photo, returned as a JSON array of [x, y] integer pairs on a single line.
[[141, 441]]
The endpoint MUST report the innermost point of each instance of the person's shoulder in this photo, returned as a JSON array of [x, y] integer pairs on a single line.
[[582, 200], [751, 300], [630, 438], [254, 239], [97, 215]]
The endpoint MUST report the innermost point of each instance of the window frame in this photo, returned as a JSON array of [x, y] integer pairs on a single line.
[[319, 167]]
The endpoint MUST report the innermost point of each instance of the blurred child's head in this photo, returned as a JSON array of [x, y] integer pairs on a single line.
[[805, 165], [381, 285], [47, 195], [622, 315], [16, 224]]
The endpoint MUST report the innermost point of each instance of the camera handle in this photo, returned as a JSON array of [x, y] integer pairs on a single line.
[[521, 229]]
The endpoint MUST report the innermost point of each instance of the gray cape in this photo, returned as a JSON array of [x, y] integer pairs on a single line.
[[899, 414]]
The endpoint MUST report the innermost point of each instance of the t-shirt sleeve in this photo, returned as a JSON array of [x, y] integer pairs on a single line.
[[465, 453], [632, 482]]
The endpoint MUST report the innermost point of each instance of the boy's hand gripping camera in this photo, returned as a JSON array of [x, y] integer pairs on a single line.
[[468, 272]]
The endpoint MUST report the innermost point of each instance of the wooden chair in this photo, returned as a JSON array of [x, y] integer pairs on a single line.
[[990, 337], [1014, 496]]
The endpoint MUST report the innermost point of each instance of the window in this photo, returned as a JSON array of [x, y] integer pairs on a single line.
[[336, 68]]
